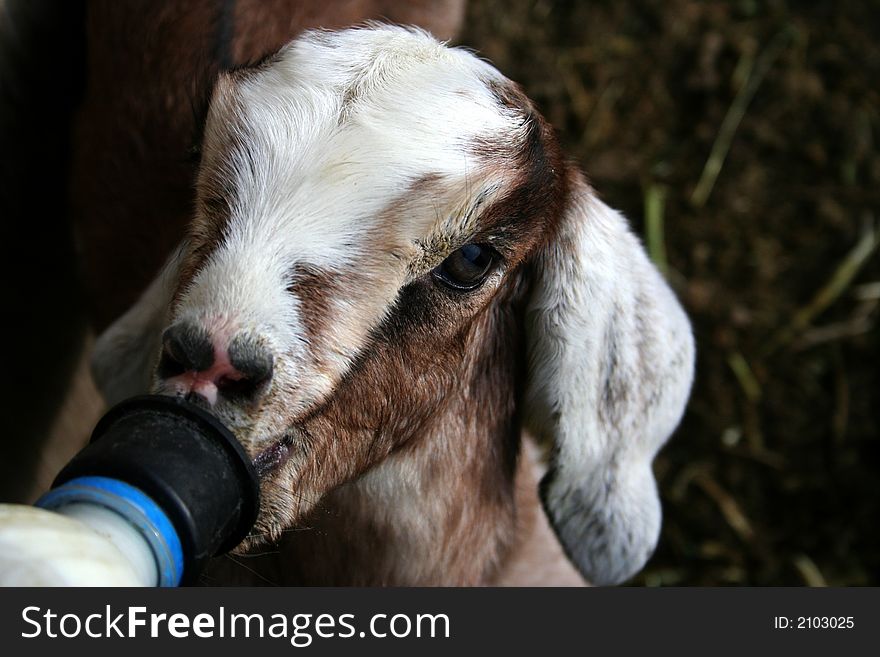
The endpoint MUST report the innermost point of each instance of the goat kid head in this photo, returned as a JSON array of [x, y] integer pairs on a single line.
[[370, 205]]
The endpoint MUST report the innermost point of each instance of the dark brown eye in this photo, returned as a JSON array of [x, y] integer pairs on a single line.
[[466, 268]]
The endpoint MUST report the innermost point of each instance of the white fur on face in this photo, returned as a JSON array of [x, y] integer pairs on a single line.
[[315, 149]]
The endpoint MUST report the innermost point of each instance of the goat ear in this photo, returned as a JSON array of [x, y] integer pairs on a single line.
[[610, 369], [125, 354]]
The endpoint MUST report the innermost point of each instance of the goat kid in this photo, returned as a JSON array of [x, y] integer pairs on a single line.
[[391, 272]]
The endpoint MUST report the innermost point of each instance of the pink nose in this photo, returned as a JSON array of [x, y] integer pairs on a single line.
[[194, 364]]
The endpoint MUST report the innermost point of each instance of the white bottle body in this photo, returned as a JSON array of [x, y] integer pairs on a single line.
[[80, 545]]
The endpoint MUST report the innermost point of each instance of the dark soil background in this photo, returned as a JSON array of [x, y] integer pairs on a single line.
[[772, 478]]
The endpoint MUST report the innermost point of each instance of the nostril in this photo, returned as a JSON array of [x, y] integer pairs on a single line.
[[238, 385], [252, 360], [236, 388], [251, 368], [185, 348]]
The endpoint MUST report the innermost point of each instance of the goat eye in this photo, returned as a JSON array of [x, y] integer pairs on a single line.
[[466, 268]]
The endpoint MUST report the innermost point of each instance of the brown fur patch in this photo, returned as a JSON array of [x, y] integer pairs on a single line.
[[149, 75], [263, 26], [526, 216], [316, 291]]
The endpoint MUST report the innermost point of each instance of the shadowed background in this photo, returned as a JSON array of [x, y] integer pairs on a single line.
[[739, 138]]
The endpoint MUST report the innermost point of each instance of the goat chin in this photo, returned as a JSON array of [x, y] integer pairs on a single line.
[[392, 272]]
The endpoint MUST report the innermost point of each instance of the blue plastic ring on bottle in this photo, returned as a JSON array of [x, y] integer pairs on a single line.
[[133, 505]]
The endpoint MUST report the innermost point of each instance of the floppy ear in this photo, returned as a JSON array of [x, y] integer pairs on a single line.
[[125, 354], [610, 369]]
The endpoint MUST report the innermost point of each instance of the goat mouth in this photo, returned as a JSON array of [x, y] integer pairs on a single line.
[[273, 457]]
